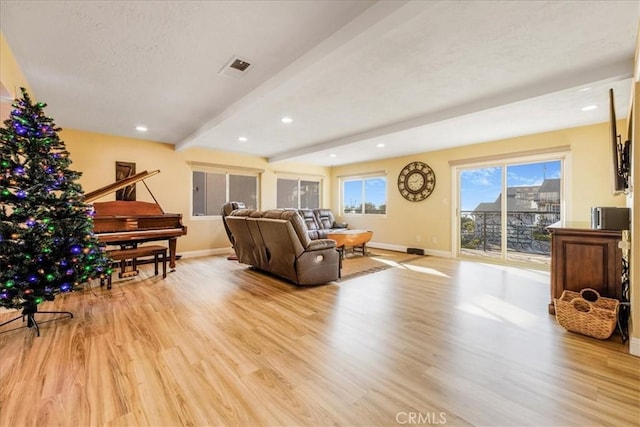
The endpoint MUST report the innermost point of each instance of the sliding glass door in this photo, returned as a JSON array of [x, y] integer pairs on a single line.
[[480, 216], [505, 209]]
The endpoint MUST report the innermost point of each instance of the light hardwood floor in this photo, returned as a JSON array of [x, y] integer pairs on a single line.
[[437, 341]]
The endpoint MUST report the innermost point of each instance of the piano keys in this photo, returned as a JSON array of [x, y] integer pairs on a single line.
[[123, 222]]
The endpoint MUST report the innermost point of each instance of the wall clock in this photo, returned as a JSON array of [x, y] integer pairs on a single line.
[[416, 181]]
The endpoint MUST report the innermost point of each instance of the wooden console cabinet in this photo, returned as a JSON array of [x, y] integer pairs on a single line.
[[585, 258]]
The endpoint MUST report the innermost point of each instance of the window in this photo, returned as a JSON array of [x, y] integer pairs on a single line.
[[213, 189], [506, 207], [364, 196], [298, 194]]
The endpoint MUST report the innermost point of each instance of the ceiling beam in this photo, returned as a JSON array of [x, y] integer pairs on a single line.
[[612, 72], [382, 16]]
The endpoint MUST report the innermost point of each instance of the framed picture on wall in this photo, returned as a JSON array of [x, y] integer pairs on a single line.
[[125, 170]]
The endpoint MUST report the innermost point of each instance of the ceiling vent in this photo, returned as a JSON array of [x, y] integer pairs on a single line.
[[235, 68]]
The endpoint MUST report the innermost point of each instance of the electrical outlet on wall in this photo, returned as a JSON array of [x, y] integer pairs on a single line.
[[418, 238], [434, 240]]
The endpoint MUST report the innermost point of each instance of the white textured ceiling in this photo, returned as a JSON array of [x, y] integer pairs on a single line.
[[416, 76]]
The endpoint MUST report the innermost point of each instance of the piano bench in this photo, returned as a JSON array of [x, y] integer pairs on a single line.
[[124, 255]]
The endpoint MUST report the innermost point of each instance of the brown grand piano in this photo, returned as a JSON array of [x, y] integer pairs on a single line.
[[123, 222]]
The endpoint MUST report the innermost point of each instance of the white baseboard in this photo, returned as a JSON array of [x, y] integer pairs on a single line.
[[440, 254], [634, 346], [386, 246], [206, 252], [399, 248]]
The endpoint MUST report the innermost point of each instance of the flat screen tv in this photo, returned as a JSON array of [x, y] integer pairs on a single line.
[[620, 152]]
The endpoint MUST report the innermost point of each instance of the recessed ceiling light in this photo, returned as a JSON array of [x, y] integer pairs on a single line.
[[286, 120], [332, 155], [584, 89], [589, 108], [380, 145], [242, 139], [141, 128]]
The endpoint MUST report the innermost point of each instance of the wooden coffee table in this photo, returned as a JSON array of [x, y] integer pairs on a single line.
[[356, 239]]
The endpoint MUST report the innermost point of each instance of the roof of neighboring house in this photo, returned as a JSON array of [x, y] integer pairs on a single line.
[[487, 207], [551, 185], [513, 205]]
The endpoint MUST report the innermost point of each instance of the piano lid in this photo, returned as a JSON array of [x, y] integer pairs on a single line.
[[112, 188]]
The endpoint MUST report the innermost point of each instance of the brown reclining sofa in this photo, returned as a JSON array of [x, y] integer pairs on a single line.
[[320, 222], [277, 241]]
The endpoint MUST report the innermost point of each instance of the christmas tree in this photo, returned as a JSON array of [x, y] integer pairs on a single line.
[[46, 240]]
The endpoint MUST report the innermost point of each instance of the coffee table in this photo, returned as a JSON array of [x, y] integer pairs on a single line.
[[356, 239]]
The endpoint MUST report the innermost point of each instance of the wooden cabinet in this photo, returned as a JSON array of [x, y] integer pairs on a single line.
[[585, 258]]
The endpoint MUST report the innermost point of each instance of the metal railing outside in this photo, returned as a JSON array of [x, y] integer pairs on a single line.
[[526, 231]]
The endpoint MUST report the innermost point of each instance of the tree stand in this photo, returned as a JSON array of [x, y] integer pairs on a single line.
[[29, 312]]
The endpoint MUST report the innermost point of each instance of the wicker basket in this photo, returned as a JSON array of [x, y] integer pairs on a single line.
[[587, 313]]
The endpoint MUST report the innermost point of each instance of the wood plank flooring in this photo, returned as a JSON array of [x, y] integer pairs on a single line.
[[436, 341]]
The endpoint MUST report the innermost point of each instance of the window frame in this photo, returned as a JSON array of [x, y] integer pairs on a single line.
[[363, 178], [227, 171], [299, 179], [558, 153]]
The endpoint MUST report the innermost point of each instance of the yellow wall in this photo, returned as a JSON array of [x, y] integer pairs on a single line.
[[11, 78], [95, 156], [589, 178], [634, 203]]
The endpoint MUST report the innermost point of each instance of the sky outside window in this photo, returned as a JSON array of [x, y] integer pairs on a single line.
[[375, 192], [352, 194], [485, 184]]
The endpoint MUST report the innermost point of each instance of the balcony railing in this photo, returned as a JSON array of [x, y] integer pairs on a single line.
[[526, 231]]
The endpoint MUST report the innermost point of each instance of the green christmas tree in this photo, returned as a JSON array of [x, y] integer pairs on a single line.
[[46, 240]]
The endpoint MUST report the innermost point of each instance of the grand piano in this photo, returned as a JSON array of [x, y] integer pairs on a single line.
[[128, 223]]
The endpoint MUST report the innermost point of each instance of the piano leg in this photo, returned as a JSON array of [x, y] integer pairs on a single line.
[[172, 253]]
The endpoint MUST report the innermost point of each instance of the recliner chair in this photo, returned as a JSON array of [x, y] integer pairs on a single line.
[[312, 224], [320, 222], [277, 241], [227, 208], [326, 220]]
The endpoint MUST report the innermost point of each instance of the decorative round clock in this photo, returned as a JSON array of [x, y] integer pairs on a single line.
[[416, 181]]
